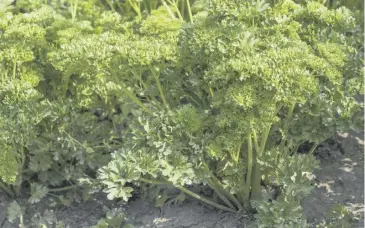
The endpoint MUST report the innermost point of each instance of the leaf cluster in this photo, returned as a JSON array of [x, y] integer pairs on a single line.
[[222, 93]]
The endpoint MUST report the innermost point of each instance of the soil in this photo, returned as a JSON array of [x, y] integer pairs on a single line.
[[340, 180]]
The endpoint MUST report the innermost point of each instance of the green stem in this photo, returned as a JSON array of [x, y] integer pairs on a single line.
[[182, 5], [256, 178], [286, 125], [21, 225], [291, 110], [63, 189], [135, 99], [144, 86], [21, 168], [74, 10], [176, 9], [241, 181], [136, 8], [73, 139], [255, 141], [264, 140], [7, 190], [249, 171], [294, 151], [53, 195], [267, 132], [189, 11], [193, 99], [205, 200], [153, 181], [256, 174], [14, 70], [4, 76], [120, 7], [139, 75], [188, 192], [146, 6], [227, 193], [168, 9], [235, 154], [313, 148], [211, 91], [155, 4], [159, 86], [220, 194], [110, 5]]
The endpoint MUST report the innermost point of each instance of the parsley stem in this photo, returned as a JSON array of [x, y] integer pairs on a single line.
[[131, 95], [176, 8], [168, 9], [263, 140], [188, 192], [220, 194], [182, 7], [153, 181], [256, 174], [14, 69], [21, 168], [286, 125], [294, 151], [120, 7], [154, 4], [7, 189], [211, 91], [189, 11], [110, 5], [205, 200], [256, 178], [313, 148], [135, 99], [255, 141], [55, 196], [159, 86], [227, 193], [249, 171], [74, 10], [21, 225], [136, 8], [63, 189]]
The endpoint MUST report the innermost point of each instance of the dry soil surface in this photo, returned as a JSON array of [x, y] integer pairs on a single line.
[[340, 178]]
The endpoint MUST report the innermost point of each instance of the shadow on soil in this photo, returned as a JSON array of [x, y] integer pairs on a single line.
[[340, 178]]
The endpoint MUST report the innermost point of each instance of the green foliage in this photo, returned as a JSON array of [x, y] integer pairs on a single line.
[[14, 211], [46, 219], [289, 172], [22, 215], [8, 172], [118, 95], [253, 81], [5, 5], [47, 137], [281, 213], [113, 219], [339, 217], [289, 175]]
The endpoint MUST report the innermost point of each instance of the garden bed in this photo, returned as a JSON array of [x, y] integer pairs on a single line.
[[338, 181], [186, 113]]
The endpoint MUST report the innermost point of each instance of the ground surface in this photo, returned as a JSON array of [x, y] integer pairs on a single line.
[[340, 179]]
